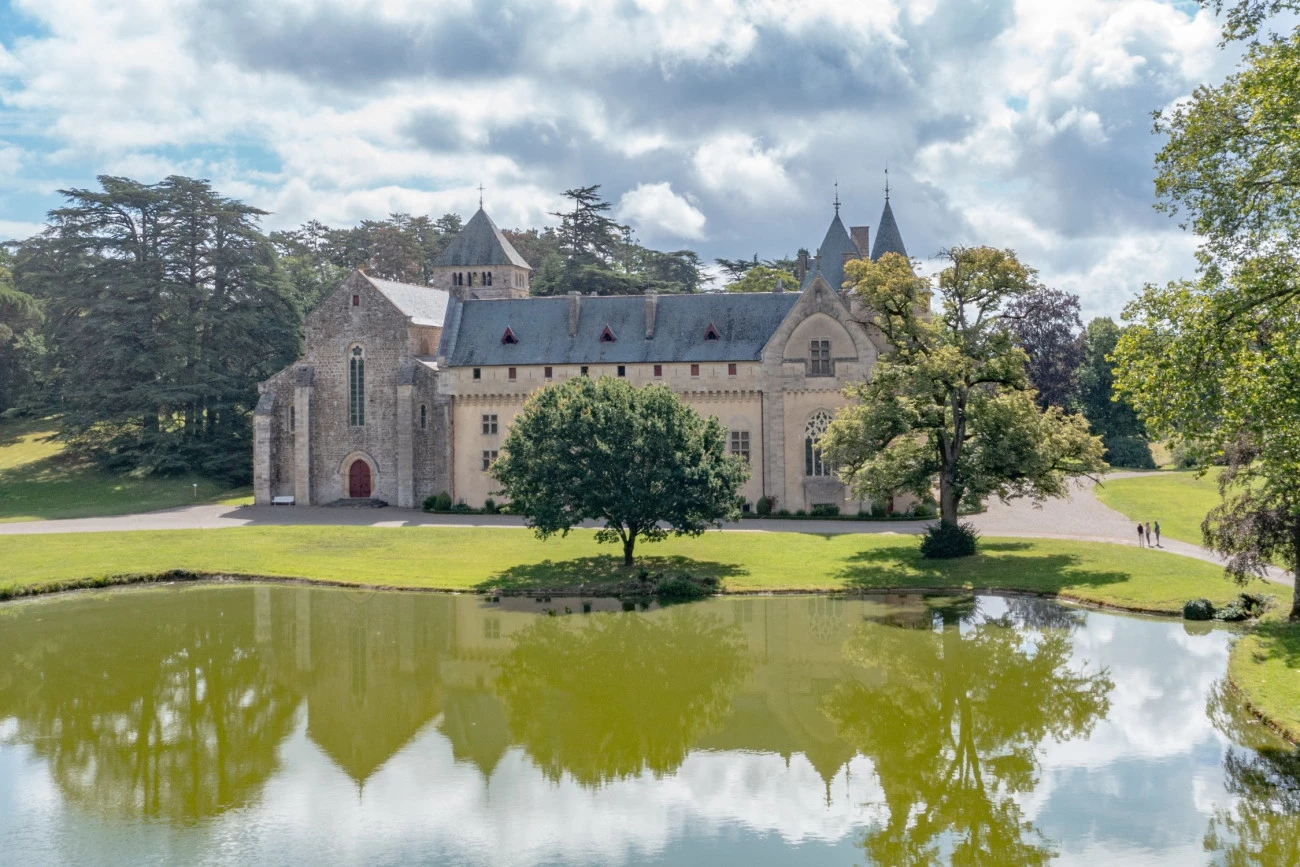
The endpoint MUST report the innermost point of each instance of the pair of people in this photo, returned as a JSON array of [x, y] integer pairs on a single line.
[[1144, 535]]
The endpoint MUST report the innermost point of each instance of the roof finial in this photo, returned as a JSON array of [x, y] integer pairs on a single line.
[[480, 195], [886, 181], [837, 196]]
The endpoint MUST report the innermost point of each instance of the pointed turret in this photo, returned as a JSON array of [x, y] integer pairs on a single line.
[[888, 238], [480, 262], [836, 248]]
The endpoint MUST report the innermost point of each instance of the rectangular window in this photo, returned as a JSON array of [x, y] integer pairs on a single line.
[[423, 416], [659, 370], [357, 388], [731, 370], [622, 370], [292, 420], [740, 444], [695, 370], [478, 373], [819, 358], [489, 455], [548, 373], [584, 370], [356, 300], [510, 374], [490, 424], [492, 627]]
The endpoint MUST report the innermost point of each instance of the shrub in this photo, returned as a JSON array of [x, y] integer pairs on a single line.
[[924, 509], [1198, 609], [684, 588], [461, 508], [877, 509], [946, 541], [801, 513], [1182, 458], [784, 513], [825, 510], [765, 505], [438, 503], [1132, 453], [490, 506]]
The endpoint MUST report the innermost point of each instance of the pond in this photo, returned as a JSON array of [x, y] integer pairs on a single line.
[[239, 724]]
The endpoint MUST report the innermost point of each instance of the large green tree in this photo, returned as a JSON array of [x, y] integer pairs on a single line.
[[20, 313], [950, 401], [165, 306], [638, 460], [763, 278]]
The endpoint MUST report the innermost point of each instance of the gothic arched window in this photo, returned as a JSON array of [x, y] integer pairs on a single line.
[[357, 387], [813, 462]]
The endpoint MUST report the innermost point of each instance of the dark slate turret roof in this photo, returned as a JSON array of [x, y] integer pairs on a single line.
[[745, 322], [836, 243], [888, 238], [480, 244]]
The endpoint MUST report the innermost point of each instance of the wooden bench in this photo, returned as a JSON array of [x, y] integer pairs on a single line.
[[282, 501]]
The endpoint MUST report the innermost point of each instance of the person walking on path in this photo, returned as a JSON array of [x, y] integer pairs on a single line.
[[1141, 536], [1157, 529], [1148, 526]]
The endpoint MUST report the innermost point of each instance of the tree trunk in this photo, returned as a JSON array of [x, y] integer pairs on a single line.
[[1295, 572], [628, 544], [947, 499]]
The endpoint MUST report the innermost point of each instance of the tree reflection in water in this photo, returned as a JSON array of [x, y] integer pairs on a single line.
[[953, 719], [164, 710], [605, 699], [1263, 774]]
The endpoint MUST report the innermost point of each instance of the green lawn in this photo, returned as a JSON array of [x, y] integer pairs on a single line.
[[1265, 666], [37, 480], [513, 559], [1179, 500]]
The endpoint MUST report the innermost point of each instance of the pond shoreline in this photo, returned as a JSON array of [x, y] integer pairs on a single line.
[[181, 576]]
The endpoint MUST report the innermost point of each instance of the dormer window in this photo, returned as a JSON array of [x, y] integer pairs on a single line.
[[606, 336], [711, 333], [509, 337]]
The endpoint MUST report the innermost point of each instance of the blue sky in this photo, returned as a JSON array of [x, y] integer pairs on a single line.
[[718, 125]]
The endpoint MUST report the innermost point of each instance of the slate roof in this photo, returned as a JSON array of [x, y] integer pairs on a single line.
[[424, 304], [836, 243], [480, 244], [888, 238], [745, 322]]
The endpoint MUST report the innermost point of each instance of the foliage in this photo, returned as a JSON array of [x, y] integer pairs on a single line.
[[825, 510], [943, 541], [1046, 324], [1198, 609], [20, 315], [632, 458], [165, 306], [1132, 453], [951, 398], [685, 588], [765, 505], [1224, 377], [762, 278], [1110, 414]]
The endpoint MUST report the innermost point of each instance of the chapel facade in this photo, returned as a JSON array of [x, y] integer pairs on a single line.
[[404, 392]]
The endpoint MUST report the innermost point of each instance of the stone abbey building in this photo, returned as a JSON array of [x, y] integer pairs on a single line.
[[408, 391]]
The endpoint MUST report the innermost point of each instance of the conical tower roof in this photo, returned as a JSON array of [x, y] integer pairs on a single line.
[[836, 243], [888, 238], [480, 244]]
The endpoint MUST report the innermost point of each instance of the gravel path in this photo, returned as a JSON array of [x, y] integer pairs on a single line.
[[1080, 516]]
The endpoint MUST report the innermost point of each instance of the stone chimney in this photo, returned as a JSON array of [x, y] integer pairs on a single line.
[[651, 306], [861, 236], [803, 266], [575, 304], [780, 286]]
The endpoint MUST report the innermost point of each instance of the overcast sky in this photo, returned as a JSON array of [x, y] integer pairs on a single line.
[[721, 125]]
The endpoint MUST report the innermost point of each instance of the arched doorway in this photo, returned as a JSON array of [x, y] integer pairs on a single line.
[[359, 480]]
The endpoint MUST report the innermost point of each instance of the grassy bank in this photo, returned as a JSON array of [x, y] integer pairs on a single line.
[[39, 480], [508, 559], [1265, 666], [1178, 500]]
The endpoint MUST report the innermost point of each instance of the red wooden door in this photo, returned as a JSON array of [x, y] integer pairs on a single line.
[[359, 480]]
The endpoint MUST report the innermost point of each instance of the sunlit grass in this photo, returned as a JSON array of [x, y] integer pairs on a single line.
[[468, 558], [39, 480], [1265, 666], [1178, 500]]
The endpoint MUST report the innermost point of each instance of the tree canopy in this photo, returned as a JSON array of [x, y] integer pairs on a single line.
[[764, 278], [951, 398], [639, 460]]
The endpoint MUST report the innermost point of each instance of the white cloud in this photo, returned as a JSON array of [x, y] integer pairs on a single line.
[[738, 165], [658, 212]]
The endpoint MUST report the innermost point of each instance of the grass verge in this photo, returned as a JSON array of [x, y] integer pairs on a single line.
[[39, 481], [1179, 500], [1265, 667], [513, 560]]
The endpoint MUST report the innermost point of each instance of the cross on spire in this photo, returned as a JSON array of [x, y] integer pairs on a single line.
[[480, 195], [837, 195], [886, 181]]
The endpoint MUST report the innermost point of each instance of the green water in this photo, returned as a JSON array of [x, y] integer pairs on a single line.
[[284, 725]]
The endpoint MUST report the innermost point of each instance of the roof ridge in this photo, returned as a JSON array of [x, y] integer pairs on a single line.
[[480, 243]]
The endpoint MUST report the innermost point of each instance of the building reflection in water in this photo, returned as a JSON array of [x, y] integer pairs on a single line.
[[174, 703]]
